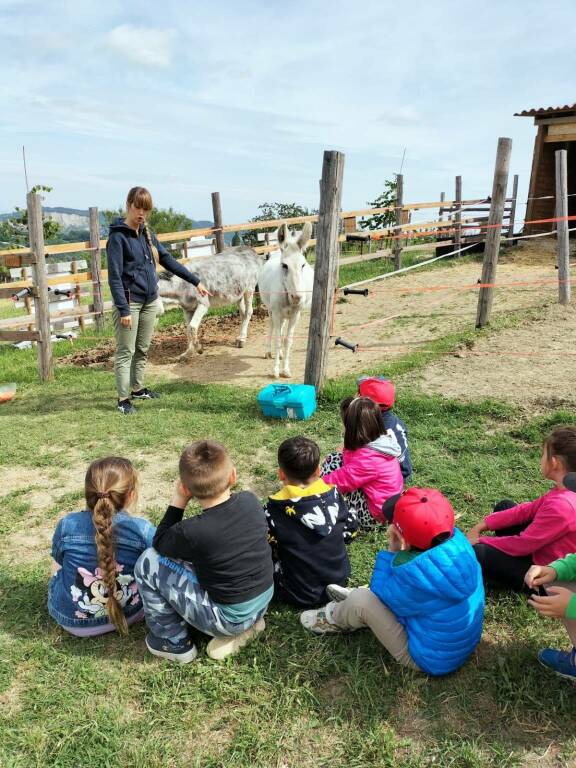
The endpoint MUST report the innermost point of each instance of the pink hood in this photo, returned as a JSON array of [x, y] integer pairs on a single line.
[[373, 469]]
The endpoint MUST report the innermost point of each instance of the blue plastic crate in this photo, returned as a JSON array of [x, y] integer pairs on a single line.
[[288, 401]]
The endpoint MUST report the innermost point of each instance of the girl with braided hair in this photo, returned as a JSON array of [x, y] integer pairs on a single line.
[[133, 255], [93, 590]]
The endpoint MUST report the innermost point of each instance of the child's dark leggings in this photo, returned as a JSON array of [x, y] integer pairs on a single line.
[[498, 568]]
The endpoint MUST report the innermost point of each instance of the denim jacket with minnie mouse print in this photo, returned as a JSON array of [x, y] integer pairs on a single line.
[[77, 595]]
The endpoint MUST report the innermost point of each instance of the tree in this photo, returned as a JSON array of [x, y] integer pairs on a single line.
[[384, 200], [14, 231], [274, 211], [160, 219]]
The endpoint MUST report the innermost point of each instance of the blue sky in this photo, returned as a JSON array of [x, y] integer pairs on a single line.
[[188, 98]]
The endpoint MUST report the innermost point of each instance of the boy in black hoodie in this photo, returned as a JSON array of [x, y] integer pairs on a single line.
[[309, 525]]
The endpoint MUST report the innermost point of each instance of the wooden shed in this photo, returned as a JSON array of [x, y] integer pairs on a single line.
[[556, 130]]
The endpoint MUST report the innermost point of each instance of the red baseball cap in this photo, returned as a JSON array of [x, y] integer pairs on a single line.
[[420, 514], [377, 388]]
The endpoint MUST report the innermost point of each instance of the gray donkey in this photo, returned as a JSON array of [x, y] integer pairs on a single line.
[[231, 278]]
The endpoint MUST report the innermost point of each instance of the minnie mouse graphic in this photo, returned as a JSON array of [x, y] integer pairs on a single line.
[[91, 595]]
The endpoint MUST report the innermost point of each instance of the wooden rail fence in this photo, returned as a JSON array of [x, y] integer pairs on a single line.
[[452, 226]]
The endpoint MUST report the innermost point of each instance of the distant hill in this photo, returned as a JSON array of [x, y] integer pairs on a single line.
[[77, 220]]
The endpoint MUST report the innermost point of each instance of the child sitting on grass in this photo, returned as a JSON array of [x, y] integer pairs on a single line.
[[382, 391], [425, 603], [308, 523], [212, 571], [368, 471], [93, 590], [558, 603], [534, 532]]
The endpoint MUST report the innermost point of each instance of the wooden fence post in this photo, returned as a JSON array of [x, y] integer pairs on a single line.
[[325, 270], [441, 209], [398, 232], [512, 218], [494, 231], [458, 217], [563, 242], [77, 293], [40, 283], [96, 269], [217, 211]]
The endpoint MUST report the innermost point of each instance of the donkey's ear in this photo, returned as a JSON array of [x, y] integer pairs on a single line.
[[305, 235], [283, 233]]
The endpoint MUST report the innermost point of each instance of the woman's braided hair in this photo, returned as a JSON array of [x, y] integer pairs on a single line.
[[108, 485], [141, 198]]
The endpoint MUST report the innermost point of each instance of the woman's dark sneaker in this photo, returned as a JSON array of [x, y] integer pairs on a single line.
[[145, 394], [182, 652], [126, 407]]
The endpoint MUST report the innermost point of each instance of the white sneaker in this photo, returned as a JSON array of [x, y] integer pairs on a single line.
[[220, 647], [320, 621], [337, 593]]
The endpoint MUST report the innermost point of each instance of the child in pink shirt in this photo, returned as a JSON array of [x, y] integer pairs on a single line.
[[535, 532], [368, 471]]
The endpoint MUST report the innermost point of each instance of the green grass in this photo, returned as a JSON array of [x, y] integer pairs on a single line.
[[290, 699]]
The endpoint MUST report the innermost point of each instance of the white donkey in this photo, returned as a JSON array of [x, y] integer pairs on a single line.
[[230, 277], [285, 283]]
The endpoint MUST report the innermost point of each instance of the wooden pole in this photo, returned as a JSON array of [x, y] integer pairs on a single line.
[[77, 293], [96, 269], [40, 283], [494, 231], [325, 270], [399, 204], [441, 209], [458, 216], [217, 211], [563, 243], [512, 218]]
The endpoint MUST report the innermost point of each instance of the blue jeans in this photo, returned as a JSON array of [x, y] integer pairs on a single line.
[[173, 598]]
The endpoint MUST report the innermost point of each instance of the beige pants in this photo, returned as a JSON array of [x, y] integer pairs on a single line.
[[132, 345], [363, 609]]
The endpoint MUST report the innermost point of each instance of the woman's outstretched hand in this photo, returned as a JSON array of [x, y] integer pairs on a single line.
[[202, 290]]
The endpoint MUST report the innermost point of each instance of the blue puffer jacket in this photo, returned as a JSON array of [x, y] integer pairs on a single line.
[[438, 597]]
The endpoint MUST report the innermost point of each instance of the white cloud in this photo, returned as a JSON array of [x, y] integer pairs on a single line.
[[140, 45]]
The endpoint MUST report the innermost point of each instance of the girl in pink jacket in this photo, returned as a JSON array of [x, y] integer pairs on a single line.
[[368, 471], [535, 532]]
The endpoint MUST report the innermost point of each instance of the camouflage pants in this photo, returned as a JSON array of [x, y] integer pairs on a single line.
[[173, 599]]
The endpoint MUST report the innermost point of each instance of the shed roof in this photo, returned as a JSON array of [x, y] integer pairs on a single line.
[[535, 111]]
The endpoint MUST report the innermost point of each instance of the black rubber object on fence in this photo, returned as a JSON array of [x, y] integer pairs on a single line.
[[341, 343], [355, 291], [21, 294]]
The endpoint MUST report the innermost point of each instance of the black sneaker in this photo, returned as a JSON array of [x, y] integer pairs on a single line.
[[182, 652], [126, 407], [145, 394]]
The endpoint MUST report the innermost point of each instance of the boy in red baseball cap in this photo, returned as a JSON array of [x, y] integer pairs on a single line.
[[425, 603], [381, 391]]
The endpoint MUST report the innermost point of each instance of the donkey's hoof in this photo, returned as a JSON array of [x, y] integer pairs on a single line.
[[286, 375], [199, 350], [240, 343], [267, 355]]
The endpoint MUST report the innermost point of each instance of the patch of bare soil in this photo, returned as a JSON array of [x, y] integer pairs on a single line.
[[533, 365], [399, 315]]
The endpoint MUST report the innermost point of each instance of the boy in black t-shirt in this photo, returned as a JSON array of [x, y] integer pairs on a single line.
[[212, 571], [309, 524]]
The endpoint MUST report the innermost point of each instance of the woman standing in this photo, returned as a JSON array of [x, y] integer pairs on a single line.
[[133, 255]]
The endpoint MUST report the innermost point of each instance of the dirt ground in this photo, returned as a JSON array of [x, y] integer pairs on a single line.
[[531, 364]]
